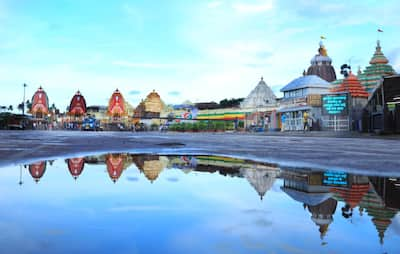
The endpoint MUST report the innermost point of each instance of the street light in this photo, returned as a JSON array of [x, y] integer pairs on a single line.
[[23, 101], [20, 175]]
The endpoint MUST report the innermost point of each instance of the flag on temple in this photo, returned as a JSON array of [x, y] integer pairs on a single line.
[[323, 37], [380, 30]]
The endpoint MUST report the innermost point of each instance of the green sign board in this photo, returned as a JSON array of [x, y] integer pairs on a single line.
[[334, 178], [335, 104]]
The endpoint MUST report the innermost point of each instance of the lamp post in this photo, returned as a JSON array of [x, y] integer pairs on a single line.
[[23, 101], [20, 175]]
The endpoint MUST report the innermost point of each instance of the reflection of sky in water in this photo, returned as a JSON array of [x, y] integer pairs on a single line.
[[179, 212]]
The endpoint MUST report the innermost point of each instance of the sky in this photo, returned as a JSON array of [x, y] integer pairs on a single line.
[[185, 50]]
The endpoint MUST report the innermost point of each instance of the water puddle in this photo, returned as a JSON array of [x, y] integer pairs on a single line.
[[148, 203]]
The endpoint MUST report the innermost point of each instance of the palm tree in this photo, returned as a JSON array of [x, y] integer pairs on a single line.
[[21, 106], [28, 105]]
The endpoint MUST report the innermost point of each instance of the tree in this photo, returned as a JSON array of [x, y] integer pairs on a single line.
[[229, 103], [10, 108], [29, 105], [21, 106]]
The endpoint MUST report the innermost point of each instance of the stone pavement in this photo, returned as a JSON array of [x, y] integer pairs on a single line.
[[372, 154]]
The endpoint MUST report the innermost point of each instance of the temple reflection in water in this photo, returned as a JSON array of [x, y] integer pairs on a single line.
[[321, 193]]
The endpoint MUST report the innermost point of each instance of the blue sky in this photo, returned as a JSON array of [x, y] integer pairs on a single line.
[[195, 50]]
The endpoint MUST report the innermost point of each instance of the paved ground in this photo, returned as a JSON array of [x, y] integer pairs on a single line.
[[350, 152]]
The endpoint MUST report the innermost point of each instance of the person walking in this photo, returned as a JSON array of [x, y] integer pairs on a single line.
[[305, 121], [283, 121]]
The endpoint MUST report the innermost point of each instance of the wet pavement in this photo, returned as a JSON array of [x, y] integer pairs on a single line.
[[150, 203], [352, 154]]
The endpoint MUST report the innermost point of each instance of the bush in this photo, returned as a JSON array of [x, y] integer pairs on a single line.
[[220, 126], [154, 127], [203, 126], [195, 127]]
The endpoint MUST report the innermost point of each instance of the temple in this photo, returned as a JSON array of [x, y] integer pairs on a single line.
[[36, 170], [148, 109], [116, 105], [151, 165], [75, 166], [115, 165], [40, 104], [259, 107], [261, 96], [358, 99], [378, 68], [77, 107], [322, 214], [352, 85], [262, 180], [321, 65]]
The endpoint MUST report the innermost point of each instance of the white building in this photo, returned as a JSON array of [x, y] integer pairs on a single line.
[[302, 95]]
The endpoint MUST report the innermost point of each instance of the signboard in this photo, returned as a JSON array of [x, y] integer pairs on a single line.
[[334, 178], [314, 100], [335, 104]]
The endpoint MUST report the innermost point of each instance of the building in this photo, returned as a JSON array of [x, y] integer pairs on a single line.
[[149, 110], [312, 189], [357, 99], [116, 105], [303, 95], [322, 214], [379, 67], [75, 166], [381, 214], [321, 65], [151, 165], [382, 113], [40, 105], [77, 107], [260, 106], [261, 179], [116, 164], [98, 112], [37, 170]]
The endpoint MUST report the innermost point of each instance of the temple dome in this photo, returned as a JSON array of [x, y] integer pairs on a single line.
[[77, 105], [153, 102], [261, 96], [322, 214], [40, 103], [115, 165], [153, 168], [321, 65], [261, 180], [37, 170], [379, 67], [75, 166], [116, 104], [378, 57], [352, 85]]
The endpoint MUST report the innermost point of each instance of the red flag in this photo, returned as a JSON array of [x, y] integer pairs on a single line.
[[380, 30]]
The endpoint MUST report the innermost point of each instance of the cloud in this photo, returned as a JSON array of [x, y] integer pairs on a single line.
[[134, 92], [132, 179], [214, 4], [246, 8], [172, 179], [174, 93]]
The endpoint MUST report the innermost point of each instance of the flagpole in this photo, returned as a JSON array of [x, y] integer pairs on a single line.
[[378, 31]]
